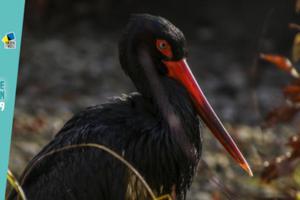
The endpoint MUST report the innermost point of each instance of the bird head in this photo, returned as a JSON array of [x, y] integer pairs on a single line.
[[165, 46]]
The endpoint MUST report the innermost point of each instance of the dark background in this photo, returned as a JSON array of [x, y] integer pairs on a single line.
[[69, 60], [222, 35]]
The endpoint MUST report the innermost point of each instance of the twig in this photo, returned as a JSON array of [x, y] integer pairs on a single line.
[[15, 184]]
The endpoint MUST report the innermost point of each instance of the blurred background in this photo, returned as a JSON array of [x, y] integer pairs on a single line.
[[69, 61]]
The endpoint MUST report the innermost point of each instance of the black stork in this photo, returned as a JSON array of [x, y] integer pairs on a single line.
[[156, 130]]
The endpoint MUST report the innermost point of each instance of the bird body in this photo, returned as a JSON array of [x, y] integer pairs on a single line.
[[156, 129], [130, 126]]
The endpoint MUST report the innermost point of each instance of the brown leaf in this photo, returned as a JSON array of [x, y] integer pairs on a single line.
[[295, 99], [285, 164], [291, 90], [281, 63], [294, 142], [278, 167], [292, 93], [296, 82], [282, 114]]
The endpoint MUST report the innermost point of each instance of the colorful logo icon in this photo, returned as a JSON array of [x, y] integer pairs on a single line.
[[9, 41]]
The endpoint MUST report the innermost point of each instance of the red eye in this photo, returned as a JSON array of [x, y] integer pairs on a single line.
[[164, 47]]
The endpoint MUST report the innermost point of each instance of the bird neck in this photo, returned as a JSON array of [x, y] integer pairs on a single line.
[[174, 106], [168, 97]]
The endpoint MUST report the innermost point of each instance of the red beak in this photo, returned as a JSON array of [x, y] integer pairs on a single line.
[[180, 71]]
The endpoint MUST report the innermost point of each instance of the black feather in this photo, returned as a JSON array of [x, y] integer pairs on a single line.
[[140, 127]]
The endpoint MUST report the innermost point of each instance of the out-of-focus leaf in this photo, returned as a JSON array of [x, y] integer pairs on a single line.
[[281, 63], [297, 7], [294, 26], [295, 100], [281, 114], [294, 143], [280, 166], [285, 164], [296, 48], [291, 90], [292, 93], [277, 167]]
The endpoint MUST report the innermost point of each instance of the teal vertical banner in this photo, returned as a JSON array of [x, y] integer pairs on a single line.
[[11, 21]]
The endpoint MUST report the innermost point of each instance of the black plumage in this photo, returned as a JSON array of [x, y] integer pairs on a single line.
[[156, 130]]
